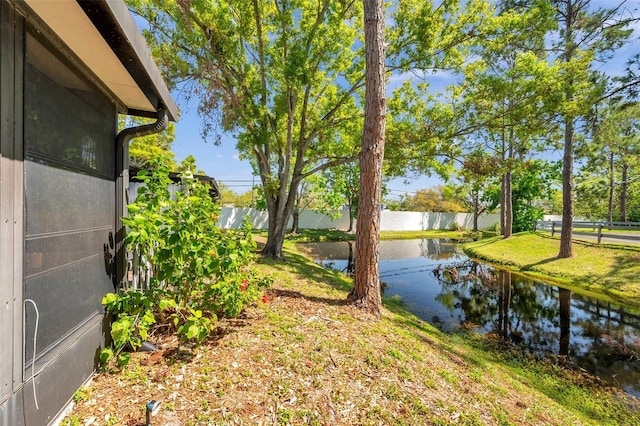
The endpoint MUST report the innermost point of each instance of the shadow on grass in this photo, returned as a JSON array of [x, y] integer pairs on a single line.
[[622, 281], [298, 295], [530, 266], [299, 264]]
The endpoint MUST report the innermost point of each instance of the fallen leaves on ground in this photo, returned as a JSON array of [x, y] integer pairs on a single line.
[[306, 357]]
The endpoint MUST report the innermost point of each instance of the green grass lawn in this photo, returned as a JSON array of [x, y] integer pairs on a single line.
[[304, 356], [609, 270]]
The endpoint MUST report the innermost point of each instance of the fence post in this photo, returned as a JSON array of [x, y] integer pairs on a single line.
[[599, 233], [553, 228]]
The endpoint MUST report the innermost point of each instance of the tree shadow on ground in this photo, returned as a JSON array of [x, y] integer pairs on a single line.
[[298, 295], [530, 266], [298, 264]]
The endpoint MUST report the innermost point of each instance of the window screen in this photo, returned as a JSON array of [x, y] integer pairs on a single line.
[[70, 197], [70, 124]]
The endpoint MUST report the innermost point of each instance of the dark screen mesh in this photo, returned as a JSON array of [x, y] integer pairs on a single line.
[[69, 124], [70, 197]]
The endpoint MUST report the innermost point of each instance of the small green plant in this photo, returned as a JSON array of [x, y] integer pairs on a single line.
[[394, 353], [111, 420], [82, 394], [195, 327], [284, 416], [72, 421], [199, 271]]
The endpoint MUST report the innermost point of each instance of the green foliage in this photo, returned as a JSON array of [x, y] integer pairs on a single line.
[[533, 183], [82, 394], [230, 197], [199, 272], [607, 184], [188, 166], [286, 76], [336, 187], [436, 199]]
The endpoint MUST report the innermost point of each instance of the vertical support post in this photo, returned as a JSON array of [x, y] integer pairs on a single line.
[[12, 220], [122, 184], [599, 233], [553, 228]]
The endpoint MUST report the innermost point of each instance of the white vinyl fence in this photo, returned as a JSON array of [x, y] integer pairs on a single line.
[[232, 218]]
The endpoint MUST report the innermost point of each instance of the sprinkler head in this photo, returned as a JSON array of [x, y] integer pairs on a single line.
[[152, 408]]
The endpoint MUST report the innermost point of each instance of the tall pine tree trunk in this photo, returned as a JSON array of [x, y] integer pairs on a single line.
[[366, 288], [508, 191], [611, 189], [566, 249], [503, 184], [503, 208], [624, 188], [568, 14], [476, 211], [508, 206]]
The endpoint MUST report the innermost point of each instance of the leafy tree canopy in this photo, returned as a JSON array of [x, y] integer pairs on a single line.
[[283, 76]]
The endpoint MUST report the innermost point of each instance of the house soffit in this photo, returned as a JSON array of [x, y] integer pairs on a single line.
[[69, 21]]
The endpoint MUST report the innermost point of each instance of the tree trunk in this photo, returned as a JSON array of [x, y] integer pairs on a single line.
[[508, 208], [503, 197], [350, 218], [280, 208], [508, 190], [366, 288], [503, 186], [624, 187], [275, 237], [476, 211], [568, 53], [611, 188], [296, 221], [350, 260], [566, 249]]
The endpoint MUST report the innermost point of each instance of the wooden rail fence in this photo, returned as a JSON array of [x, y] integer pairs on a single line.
[[600, 227]]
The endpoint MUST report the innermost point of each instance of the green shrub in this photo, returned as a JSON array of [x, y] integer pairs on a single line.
[[199, 271]]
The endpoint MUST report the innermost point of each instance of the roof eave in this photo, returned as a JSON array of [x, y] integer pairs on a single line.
[[114, 22]]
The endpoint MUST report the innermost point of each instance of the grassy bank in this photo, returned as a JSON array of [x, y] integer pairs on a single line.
[[609, 270], [306, 357]]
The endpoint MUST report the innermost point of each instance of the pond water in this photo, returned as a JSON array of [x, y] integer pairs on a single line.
[[443, 286]]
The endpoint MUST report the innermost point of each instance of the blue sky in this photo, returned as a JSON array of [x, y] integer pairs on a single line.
[[220, 162], [223, 162]]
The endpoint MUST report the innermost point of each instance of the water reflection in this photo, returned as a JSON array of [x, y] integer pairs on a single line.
[[443, 286]]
